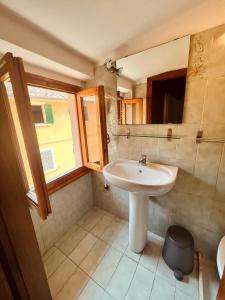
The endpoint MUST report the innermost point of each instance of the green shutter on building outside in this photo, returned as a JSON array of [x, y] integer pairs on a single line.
[[48, 113]]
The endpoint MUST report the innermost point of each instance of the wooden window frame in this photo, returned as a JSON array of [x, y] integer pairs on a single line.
[[12, 68], [99, 94], [42, 112], [139, 102], [52, 84]]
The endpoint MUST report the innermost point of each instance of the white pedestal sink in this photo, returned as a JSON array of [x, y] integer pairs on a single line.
[[141, 182]]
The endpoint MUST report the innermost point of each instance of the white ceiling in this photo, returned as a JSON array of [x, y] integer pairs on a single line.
[[99, 28], [170, 56], [70, 37], [33, 60]]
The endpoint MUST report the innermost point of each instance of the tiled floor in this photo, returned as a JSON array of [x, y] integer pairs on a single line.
[[92, 261], [209, 279]]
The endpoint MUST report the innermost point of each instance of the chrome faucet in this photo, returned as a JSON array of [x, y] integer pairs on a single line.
[[143, 160]]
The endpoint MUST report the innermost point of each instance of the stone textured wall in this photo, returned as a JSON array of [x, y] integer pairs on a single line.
[[198, 198], [68, 205]]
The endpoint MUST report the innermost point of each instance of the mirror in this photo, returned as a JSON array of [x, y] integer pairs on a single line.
[[151, 89]]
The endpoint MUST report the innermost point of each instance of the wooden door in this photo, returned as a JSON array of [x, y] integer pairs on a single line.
[[22, 274]]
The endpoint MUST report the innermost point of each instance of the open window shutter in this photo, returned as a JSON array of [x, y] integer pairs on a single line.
[[48, 113], [12, 70], [92, 125]]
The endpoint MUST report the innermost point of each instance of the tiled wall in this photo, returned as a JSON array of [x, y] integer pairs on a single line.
[[198, 198], [68, 205]]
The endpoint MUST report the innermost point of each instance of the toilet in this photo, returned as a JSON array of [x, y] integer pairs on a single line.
[[221, 257]]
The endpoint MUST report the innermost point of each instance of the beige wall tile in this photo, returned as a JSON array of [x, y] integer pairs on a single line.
[[68, 205], [207, 162], [216, 66], [194, 100], [40, 242], [214, 107]]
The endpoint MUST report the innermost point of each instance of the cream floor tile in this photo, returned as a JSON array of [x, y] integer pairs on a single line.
[[48, 253], [101, 226], [109, 215], [210, 279], [181, 296], [132, 255], [112, 232], [83, 248], [121, 279], [91, 261], [64, 237], [60, 276], [141, 284], [164, 271], [53, 262], [150, 256], [189, 285], [90, 219], [107, 266], [72, 240], [106, 296], [120, 242], [117, 235], [74, 286], [162, 290], [92, 291]]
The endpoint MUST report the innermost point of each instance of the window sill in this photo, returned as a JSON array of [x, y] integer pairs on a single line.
[[43, 124], [62, 181]]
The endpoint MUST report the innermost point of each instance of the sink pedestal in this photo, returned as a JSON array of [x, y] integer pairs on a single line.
[[138, 215]]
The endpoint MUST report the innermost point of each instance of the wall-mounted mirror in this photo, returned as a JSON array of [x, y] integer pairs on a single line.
[[151, 89]]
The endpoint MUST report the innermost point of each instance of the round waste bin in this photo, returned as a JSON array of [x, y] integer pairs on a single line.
[[178, 251]]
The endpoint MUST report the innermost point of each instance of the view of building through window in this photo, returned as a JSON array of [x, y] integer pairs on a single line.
[[56, 130]]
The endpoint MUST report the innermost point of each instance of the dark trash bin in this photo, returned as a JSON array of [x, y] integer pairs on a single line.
[[178, 251]]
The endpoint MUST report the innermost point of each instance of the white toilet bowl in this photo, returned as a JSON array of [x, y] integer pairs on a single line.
[[221, 257]]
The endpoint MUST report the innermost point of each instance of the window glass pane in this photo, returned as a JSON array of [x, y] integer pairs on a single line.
[[37, 114], [57, 135], [22, 150], [89, 112]]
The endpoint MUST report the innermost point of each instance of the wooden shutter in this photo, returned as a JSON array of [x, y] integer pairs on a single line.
[[48, 113], [92, 125]]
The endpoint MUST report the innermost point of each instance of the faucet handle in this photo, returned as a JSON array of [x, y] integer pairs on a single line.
[[143, 156]]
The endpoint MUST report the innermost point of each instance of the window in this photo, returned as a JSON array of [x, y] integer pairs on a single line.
[[62, 145], [59, 144], [48, 160], [37, 114]]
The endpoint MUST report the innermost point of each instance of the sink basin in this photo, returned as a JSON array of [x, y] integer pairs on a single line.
[[141, 182], [152, 179]]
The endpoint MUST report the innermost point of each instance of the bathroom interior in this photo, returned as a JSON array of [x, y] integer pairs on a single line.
[[112, 150]]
